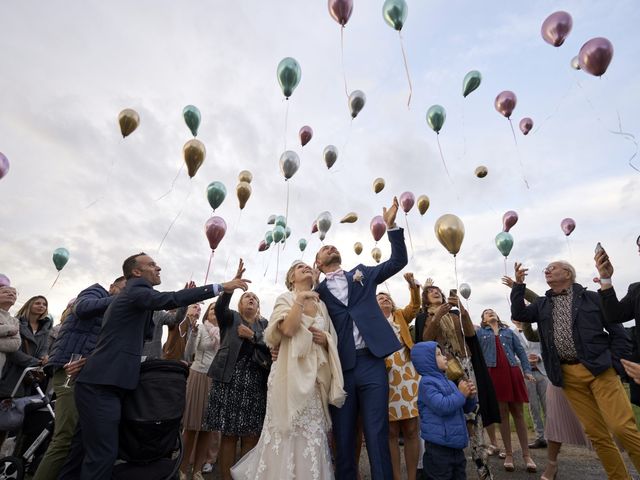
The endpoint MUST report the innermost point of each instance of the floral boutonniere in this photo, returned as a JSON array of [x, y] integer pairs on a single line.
[[357, 277]]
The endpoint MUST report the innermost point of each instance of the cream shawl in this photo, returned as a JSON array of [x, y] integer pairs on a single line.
[[301, 364]]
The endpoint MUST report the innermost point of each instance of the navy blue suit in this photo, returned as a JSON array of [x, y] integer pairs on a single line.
[[114, 367], [365, 374]]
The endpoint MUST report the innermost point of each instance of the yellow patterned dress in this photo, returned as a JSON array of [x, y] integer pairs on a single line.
[[403, 381]]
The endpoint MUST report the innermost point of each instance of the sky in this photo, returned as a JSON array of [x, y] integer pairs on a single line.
[[74, 182]]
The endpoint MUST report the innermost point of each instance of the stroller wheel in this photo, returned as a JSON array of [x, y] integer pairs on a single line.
[[11, 468]]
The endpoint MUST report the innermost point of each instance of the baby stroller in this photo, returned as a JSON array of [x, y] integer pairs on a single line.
[[150, 444], [32, 420]]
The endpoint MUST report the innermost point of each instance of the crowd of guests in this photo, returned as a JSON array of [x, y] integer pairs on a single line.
[[337, 360]]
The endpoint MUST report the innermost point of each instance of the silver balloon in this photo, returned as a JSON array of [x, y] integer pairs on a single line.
[[271, 220], [465, 290], [357, 99], [330, 155], [324, 224], [575, 63], [289, 164]]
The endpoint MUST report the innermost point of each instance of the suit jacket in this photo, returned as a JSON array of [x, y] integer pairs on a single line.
[[363, 308], [128, 320]]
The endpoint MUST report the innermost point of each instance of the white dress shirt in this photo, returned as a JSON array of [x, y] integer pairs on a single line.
[[338, 285]]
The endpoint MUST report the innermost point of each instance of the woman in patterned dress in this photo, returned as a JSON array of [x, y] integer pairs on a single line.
[[403, 382]]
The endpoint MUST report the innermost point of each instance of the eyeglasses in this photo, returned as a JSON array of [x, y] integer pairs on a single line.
[[551, 268]]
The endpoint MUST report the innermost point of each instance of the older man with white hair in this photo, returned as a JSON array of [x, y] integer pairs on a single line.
[[578, 356]]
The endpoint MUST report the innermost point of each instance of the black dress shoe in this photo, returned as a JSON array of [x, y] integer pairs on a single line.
[[539, 443]]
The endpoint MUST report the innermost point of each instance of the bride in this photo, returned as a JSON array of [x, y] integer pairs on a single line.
[[306, 377]]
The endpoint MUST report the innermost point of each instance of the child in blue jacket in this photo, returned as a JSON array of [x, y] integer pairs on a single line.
[[442, 406]]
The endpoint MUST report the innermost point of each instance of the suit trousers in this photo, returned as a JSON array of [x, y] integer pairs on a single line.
[[603, 408], [537, 391], [367, 388]]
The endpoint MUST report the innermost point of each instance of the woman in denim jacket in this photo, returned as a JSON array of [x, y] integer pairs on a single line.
[[500, 347]]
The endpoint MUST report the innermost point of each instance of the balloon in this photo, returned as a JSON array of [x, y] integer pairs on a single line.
[[129, 121], [215, 228], [423, 204], [526, 124], [287, 231], [324, 224], [504, 242], [306, 133], [194, 153], [314, 227], [302, 244], [509, 219], [568, 225], [278, 234], [357, 100], [378, 227], [281, 221], [378, 184], [216, 193], [191, 116], [450, 232], [271, 220], [471, 82], [60, 257], [575, 63], [357, 247], [262, 246], [289, 164], [243, 192], [376, 254], [595, 56], [289, 74], [556, 28], [4, 165], [395, 13], [505, 103], [268, 237], [481, 171], [465, 290], [407, 200], [340, 10], [4, 281], [330, 155], [350, 217], [245, 176], [436, 115]]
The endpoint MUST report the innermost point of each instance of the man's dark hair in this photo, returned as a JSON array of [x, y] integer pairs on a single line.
[[119, 279], [129, 264]]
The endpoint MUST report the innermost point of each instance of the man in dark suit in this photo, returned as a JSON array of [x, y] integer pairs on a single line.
[[365, 338], [114, 367]]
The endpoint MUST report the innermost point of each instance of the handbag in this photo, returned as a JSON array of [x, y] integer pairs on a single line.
[[262, 358], [12, 413]]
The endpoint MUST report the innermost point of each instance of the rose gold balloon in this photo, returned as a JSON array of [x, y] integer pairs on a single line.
[[481, 171], [341, 10], [556, 28], [423, 204], [129, 121], [449, 230], [376, 254], [595, 56], [215, 228], [505, 103], [378, 184], [243, 191], [245, 176], [350, 217], [509, 219], [306, 133], [568, 225], [314, 227], [378, 227], [526, 124], [194, 153], [357, 247], [262, 246], [407, 200]]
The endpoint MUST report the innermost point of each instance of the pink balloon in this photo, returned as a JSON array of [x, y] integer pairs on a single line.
[[568, 225], [407, 199], [262, 246], [314, 227], [4, 165], [341, 10], [595, 56], [378, 227], [4, 281], [509, 219], [526, 124], [306, 133], [215, 228], [556, 28], [505, 103]]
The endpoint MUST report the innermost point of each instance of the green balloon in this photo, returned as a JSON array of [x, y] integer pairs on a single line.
[[394, 13], [289, 74], [191, 116], [504, 242], [436, 115], [216, 193], [278, 234], [471, 82], [302, 244], [268, 238], [60, 258], [281, 220]]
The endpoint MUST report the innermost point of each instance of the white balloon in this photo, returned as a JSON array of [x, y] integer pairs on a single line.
[[324, 224], [465, 290], [289, 164], [330, 155], [357, 100]]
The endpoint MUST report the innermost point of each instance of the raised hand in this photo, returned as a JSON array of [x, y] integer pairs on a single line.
[[240, 270], [190, 284], [441, 311], [389, 214], [508, 281], [245, 332], [241, 283], [603, 264], [410, 280], [521, 272]]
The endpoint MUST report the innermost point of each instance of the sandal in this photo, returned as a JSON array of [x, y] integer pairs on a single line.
[[502, 455], [531, 465], [553, 465], [508, 462], [492, 450]]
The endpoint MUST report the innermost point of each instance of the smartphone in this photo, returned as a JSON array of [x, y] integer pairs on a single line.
[[599, 248], [453, 292]]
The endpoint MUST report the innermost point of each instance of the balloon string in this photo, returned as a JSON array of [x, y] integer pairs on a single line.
[[206, 276], [524, 178], [277, 264], [344, 73], [442, 157], [56, 279], [286, 122], [172, 183], [176, 218], [569, 247], [406, 69], [555, 112], [106, 183], [286, 214], [455, 270], [406, 219], [268, 262]]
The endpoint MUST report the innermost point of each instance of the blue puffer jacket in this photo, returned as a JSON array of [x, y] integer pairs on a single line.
[[440, 403], [79, 332]]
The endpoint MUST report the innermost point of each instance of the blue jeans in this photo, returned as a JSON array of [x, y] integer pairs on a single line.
[[444, 463]]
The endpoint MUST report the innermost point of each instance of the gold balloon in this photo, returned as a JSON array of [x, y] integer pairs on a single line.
[[423, 204], [357, 247], [194, 153], [129, 121], [450, 232], [243, 191], [350, 217], [245, 176], [378, 184], [481, 171], [376, 254]]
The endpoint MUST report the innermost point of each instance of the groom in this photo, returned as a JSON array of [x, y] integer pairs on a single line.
[[365, 338]]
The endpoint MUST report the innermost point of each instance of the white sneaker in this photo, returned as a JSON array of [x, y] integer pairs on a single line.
[[207, 468]]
